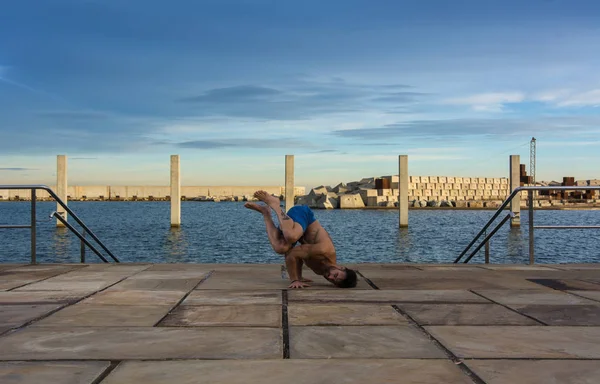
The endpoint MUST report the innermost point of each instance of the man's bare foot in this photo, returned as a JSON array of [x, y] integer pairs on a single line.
[[264, 209], [271, 201]]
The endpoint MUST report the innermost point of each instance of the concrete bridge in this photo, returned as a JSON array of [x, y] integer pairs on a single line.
[[199, 323]]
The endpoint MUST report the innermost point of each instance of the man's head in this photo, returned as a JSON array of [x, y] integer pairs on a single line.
[[341, 277]]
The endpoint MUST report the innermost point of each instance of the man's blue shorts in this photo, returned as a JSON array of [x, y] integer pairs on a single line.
[[302, 215]]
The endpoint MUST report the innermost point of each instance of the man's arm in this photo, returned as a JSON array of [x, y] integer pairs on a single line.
[[293, 262]]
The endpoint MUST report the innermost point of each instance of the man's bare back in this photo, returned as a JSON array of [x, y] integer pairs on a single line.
[[323, 253]]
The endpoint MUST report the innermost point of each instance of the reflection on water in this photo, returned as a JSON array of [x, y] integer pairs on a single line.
[[64, 240], [176, 245], [514, 243]]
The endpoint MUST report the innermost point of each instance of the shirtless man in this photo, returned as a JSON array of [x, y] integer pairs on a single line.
[[316, 249]]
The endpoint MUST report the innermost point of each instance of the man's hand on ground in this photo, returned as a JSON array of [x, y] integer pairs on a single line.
[[305, 280], [298, 284]]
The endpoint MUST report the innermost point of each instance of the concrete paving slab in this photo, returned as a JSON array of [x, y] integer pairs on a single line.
[[474, 281], [227, 281], [452, 267], [223, 297], [180, 267], [131, 343], [567, 284], [536, 372], [343, 314], [67, 286], [563, 314], [192, 274], [17, 315], [288, 371], [79, 275], [135, 297], [64, 372], [10, 266], [534, 342], [121, 267], [524, 297], [8, 285], [224, 316], [387, 296], [464, 314], [517, 267], [183, 285], [593, 295], [593, 266], [89, 315], [39, 297], [58, 268], [373, 342]]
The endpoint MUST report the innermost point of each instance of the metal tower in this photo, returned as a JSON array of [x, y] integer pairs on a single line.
[[532, 160]]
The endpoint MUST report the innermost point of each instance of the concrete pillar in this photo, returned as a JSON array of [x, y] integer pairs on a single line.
[[289, 182], [403, 190], [61, 185], [175, 192], [515, 182]]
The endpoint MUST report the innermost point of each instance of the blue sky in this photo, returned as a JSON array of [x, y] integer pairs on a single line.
[[345, 86]]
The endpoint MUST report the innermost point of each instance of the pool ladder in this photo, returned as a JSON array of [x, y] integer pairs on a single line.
[[532, 228], [59, 217]]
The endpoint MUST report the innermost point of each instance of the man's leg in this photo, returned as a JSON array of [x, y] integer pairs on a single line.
[[291, 231], [273, 233]]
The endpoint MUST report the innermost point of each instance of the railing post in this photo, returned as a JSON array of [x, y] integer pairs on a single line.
[[487, 252], [531, 230], [82, 248], [33, 227]]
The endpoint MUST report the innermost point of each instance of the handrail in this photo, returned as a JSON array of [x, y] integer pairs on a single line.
[[33, 189], [506, 202]]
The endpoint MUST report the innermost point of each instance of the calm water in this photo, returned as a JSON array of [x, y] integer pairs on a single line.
[[229, 233]]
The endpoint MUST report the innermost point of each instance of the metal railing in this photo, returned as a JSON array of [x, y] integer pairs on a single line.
[[59, 217], [532, 228]]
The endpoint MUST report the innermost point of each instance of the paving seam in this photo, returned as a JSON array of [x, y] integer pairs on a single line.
[[113, 365], [509, 308], [285, 324], [208, 275], [458, 362], [583, 297], [44, 279], [11, 330]]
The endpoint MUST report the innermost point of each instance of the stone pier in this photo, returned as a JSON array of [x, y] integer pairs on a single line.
[[289, 182], [175, 191], [515, 182], [228, 323], [61, 185], [403, 190]]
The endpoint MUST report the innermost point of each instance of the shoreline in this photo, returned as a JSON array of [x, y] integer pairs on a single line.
[[570, 207]]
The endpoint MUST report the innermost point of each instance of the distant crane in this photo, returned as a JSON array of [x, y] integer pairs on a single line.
[[532, 160]]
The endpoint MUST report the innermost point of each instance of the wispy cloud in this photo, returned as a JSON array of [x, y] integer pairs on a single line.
[[74, 115], [488, 102], [496, 102], [17, 169], [300, 99], [244, 143], [476, 127]]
